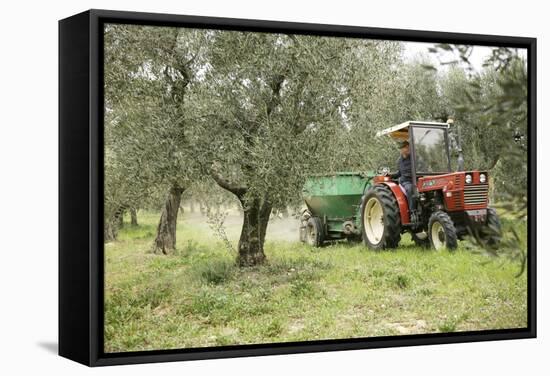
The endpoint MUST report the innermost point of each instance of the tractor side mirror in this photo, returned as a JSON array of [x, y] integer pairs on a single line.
[[455, 143], [384, 171]]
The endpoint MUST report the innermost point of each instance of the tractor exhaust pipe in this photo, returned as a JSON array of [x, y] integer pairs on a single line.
[[455, 142]]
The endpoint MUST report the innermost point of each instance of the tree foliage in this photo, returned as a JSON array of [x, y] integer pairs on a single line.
[[492, 106]]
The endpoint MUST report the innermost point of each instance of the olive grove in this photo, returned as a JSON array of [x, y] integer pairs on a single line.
[[255, 113]]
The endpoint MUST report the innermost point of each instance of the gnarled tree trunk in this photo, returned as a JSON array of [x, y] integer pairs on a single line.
[[166, 230], [120, 219], [251, 243], [133, 217], [110, 232], [112, 225], [256, 211]]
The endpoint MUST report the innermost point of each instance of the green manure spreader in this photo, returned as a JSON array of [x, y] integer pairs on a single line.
[[333, 207]]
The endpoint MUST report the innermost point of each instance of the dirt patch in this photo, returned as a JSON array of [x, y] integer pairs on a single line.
[[412, 327], [277, 229], [296, 326]]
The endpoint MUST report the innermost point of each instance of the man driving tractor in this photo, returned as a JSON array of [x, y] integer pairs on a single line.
[[404, 174]]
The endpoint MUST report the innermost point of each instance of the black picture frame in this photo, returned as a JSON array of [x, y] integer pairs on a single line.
[[81, 182]]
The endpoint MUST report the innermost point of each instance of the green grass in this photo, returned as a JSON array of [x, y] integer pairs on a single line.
[[197, 297]]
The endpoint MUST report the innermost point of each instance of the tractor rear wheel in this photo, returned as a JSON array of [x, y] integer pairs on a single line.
[[380, 219], [442, 232], [314, 232]]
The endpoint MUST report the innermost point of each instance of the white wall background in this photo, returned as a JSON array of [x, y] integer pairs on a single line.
[[28, 186]]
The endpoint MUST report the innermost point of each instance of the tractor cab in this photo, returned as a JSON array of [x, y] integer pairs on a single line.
[[429, 146]]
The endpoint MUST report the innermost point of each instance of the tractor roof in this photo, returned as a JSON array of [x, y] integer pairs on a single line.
[[401, 131]]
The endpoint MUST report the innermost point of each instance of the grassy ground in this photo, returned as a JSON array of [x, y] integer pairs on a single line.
[[197, 297]]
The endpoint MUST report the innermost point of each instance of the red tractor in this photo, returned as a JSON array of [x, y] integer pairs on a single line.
[[449, 205]]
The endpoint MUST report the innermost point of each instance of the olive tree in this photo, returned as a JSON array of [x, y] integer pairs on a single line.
[[147, 74], [267, 104], [269, 107]]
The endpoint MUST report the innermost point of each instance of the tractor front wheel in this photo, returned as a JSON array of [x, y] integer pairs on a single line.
[[442, 232], [380, 219]]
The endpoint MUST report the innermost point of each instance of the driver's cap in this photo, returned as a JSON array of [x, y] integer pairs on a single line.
[[402, 144]]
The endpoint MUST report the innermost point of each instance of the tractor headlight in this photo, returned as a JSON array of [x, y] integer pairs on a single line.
[[482, 178], [468, 179]]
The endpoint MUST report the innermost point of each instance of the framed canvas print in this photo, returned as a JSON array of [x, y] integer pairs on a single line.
[[235, 187]]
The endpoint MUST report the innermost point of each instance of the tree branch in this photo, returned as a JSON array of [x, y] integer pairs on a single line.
[[237, 190]]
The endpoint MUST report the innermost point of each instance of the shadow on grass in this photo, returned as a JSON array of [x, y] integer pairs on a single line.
[[345, 244]]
